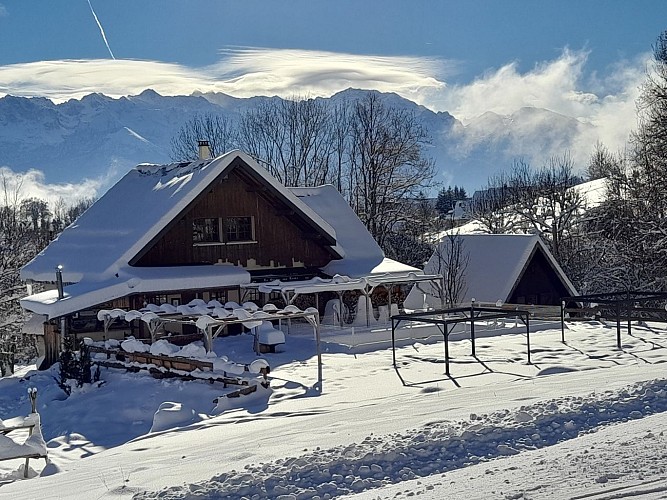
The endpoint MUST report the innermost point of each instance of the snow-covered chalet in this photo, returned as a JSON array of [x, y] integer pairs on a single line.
[[214, 229]]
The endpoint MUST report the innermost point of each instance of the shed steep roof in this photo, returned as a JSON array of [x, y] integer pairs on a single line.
[[496, 263]]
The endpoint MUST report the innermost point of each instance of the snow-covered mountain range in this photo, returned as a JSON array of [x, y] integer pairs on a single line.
[[100, 138]]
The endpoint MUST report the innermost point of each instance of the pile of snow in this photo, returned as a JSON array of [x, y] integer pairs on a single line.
[[170, 415], [164, 348], [133, 345], [33, 445], [255, 401]]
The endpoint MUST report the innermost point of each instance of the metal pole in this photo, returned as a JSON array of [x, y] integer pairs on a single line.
[[528, 337], [393, 341], [562, 321], [446, 335], [618, 324], [472, 325]]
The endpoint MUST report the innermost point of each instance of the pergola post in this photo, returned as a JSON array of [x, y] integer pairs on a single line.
[[445, 335], [393, 342], [316, 318], [389, 288], [368, 305], [209, 339]]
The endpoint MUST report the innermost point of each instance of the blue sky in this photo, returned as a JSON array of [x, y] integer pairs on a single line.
[[477, 35]]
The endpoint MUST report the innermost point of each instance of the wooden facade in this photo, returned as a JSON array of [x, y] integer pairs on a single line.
[[539, 284], [282, 238]]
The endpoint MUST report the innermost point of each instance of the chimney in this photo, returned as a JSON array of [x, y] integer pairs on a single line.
[[59, 281], [204, 150]]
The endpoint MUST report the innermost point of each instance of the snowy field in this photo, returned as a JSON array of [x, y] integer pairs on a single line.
[[585, 420]]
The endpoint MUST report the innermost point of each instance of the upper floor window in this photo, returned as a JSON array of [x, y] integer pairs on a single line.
[[223, 230], [206, 230], [238, 229]]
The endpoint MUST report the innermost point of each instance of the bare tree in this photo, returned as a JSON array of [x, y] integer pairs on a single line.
[[543, 202], [293, 138], [492, 207], [450, 259], [548, 202], [412, 243], [216, 129], [387, 164]]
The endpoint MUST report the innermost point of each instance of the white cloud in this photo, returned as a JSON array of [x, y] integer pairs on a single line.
[[3, 11], [604, 104], [241, 72], [32, 184]]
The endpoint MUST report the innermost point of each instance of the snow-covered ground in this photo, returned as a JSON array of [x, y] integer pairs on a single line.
[[585, 420]]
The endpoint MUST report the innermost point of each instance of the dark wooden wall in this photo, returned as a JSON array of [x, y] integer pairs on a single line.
[[540, 284], [281, 236]]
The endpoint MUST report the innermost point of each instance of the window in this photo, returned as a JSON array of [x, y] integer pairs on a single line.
[[238, 229], [214, 230], [219, 295], [206, 230], [251, 295], [158, 299]]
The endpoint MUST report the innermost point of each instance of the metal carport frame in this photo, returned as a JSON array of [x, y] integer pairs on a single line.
[[471, 314]]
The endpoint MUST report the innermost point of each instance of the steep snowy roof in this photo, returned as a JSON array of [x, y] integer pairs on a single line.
[[362, 254], [495, 264], [123, 221]]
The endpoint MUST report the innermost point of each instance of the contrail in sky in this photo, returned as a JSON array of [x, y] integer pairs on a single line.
[[104, 37]]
